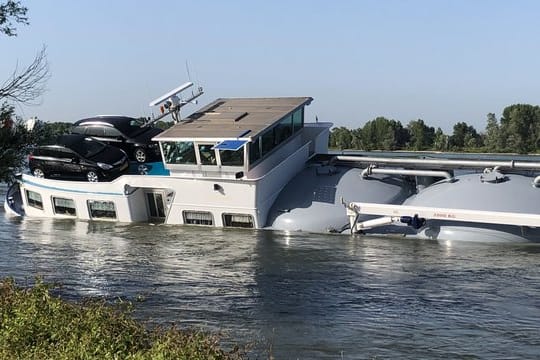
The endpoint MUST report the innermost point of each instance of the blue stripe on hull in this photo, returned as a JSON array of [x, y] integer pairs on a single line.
[[72, 190]]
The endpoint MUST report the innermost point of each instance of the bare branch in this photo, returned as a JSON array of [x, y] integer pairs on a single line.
[[26, 87]]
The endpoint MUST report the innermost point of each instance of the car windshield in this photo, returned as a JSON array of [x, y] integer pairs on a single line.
[[88, 147]]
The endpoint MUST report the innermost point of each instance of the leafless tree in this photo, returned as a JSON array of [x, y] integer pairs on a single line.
[[26, 86]]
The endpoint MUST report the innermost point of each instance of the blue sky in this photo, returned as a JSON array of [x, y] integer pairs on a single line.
[[442, 61]]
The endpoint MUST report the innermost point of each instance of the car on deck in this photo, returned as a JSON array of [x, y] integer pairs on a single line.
[[78, 157], [134, 136]]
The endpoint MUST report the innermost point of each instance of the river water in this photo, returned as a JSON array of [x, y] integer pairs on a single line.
[[297, 296]]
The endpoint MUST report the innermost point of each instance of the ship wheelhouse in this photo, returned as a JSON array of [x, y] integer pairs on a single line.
[[230, 138]]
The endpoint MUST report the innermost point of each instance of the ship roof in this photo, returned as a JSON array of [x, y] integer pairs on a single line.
[[233, 118]]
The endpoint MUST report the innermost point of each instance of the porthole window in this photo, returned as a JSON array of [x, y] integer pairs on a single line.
[[34, 199], [64, 206], [101, 209], [198, 218], [238, 220]]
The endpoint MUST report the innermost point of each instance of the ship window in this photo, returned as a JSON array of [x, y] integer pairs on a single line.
[[179, 152], [284, 129], [268, 139], [64, 206], [254, 151], [238, 220], [101, 209], [207, 154], [198, 218], [232, 158], [298, 119], [34, 199], [155, 204]]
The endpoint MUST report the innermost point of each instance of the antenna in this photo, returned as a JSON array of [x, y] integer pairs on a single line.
[[187, 70], [173, 102], [171, 93]]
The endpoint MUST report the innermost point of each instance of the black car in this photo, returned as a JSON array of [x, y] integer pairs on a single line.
[[78, 157], [132, 135]]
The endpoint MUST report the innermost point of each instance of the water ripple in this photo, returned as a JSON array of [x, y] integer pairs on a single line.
[[310, 296]]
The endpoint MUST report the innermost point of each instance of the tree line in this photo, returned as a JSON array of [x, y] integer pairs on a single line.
[[23, 86], [517, 131]]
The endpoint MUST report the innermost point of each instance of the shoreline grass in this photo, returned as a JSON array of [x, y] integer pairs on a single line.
[[35, 324]]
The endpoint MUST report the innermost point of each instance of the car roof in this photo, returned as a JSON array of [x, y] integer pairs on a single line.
[[116, 121], [109, 119], [70, 139], [122, 123]]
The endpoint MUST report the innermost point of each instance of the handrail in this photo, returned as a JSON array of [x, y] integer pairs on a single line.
[[431, 173], [441, 163], [354, 209]]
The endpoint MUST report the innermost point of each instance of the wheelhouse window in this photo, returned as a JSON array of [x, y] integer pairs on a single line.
[[255, 151], [101, 209], [298, 119], [284, 129], [262, 145], [34, 199], [198, 218], [232, 158], [238, 220], [64, 206], [179, 152], [268, 142], [207, 154]]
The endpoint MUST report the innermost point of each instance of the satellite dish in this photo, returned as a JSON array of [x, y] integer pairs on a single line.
[[171, 93]]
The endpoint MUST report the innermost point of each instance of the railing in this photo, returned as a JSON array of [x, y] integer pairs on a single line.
[[441, 163]]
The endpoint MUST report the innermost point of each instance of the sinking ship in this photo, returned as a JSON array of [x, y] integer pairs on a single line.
[[257, 163]]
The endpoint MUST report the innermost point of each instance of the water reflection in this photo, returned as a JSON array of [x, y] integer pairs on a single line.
[[312, 296]]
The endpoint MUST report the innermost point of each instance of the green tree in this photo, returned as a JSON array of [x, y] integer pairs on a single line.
[[12, 11], [520, 128], [340, 138], [492, 138], [464, 136], [15, 142], [384, 134], [46, 133], [440, 141], [356, 142], [21, 87], [421, 135]]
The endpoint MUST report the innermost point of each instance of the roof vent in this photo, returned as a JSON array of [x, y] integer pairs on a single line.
[[224, 116], [493, 177]]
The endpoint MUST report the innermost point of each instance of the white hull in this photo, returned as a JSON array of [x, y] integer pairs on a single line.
[[139, 198], [250, 163]]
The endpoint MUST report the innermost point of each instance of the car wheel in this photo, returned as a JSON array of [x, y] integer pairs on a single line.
[[38, 173], [92, 176], [140, 155]]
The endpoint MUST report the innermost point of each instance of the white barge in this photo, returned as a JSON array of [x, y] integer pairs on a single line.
[[225, 166], [256, 163]]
